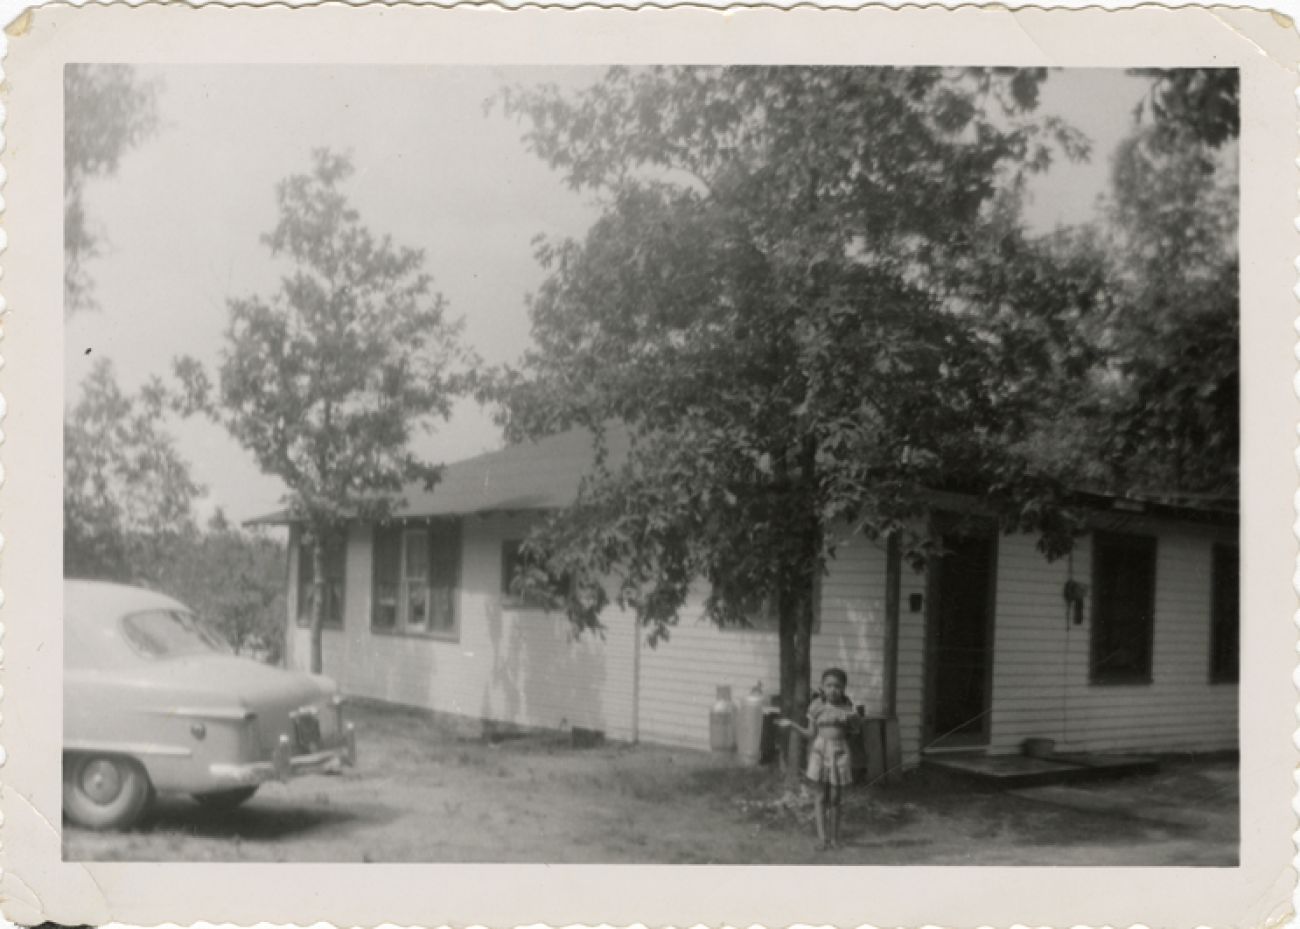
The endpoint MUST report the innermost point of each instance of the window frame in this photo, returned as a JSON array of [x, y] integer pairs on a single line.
[[402, 625], [1148, 545], [302, 609], [1219, 674]]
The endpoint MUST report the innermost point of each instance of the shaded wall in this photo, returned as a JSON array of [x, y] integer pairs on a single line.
[[520, 666]]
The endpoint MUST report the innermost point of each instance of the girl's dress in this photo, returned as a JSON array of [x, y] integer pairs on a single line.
[[828, 757]]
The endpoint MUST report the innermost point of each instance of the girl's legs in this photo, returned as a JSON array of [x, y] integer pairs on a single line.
[[833, 814], [819, 813]]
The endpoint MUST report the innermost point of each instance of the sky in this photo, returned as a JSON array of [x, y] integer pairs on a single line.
[[184, 214]]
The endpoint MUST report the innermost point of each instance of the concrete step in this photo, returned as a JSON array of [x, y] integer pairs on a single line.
[[1016, 771]]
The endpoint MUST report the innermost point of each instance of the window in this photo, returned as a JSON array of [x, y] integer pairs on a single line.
[[514, 561], [1123, 608], [335, 563], [169, 634], [416, 575], [1225, 625]]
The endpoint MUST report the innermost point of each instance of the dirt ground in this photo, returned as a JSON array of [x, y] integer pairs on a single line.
[[423, 793]]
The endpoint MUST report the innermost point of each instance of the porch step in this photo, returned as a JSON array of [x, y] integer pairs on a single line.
[[1014, 771]]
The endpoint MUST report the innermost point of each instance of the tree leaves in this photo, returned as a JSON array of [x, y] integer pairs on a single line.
[[326, 380], [126, 488], [777, 303], [107, 110]]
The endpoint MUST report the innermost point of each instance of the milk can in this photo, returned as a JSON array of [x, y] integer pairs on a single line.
[[749, 726], [722, 722]]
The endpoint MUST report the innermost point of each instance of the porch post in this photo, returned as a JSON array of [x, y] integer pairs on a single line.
[[893, 589]]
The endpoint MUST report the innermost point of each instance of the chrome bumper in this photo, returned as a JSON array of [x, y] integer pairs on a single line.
[[285, 765]]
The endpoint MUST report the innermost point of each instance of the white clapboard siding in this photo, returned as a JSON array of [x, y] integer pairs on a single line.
[[1041, 665], [680, 677], [525, 667], [519, 666]]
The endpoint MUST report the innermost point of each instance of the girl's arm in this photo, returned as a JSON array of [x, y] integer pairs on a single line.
[[809, 731], [805, 731]]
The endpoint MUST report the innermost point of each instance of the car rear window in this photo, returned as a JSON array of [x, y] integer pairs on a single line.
[[170, 633]]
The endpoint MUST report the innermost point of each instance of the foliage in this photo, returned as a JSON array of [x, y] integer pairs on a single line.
[[107, 111], [1172, 418], [127, 493], [234, 580], [1201, 103], [326, 381], [778, 303]]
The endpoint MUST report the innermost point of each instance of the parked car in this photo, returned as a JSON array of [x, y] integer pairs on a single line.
[[153, 700]]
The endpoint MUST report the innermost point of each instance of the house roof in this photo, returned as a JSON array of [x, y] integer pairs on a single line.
[[538, 475], [544, 475]]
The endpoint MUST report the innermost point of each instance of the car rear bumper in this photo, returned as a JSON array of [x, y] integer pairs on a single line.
[[285, 765]]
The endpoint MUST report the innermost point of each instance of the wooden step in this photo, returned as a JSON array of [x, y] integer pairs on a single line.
[[1012, 771]]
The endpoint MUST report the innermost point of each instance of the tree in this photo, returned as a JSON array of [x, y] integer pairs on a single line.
[[127, 493], [777, 303], [1172, 416], [107, 111], [234, 580], [327, 380]]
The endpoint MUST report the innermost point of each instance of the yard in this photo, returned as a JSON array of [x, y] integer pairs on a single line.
[[424, 793]]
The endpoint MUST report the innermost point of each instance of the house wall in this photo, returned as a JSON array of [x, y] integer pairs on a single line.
[[1041, 666], [524, 667], [519, 666], [679, 678]]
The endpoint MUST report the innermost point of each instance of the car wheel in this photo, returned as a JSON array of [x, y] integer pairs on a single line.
[[226, 799], [104, 791]]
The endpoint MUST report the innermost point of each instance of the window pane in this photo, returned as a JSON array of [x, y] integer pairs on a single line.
[[417, 555], [442, 610], [384, 614], [387, 577], [1123, 607], [167, 634], [444, 575], [417, 604]]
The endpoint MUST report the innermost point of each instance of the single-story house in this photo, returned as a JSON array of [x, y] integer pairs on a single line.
[[1129, 644]]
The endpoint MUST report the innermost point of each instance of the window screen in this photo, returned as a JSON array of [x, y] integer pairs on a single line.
[[1225, 630]]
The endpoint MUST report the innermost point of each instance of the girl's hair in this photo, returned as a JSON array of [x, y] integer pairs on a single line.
[[838, 674]]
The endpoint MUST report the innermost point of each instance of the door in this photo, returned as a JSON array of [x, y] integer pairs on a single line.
[[959, 642]]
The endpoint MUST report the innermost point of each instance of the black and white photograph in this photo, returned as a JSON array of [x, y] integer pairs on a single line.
[[751, 465], [499, 468]]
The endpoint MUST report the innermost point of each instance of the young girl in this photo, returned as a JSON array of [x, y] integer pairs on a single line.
[[831, 718]]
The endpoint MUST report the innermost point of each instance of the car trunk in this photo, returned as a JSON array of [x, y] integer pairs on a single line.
[[276, 696]]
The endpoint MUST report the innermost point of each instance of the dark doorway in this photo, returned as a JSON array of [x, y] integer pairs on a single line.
[[959, 641]]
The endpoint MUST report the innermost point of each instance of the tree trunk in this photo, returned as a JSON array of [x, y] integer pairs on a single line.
[[317, 601], [796, 622], [796, 600]]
